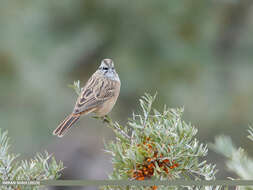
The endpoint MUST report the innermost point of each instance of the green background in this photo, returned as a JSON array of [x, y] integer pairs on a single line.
[[194, 53]]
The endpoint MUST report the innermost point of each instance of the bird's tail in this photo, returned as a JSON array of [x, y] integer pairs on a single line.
[[64, 126]]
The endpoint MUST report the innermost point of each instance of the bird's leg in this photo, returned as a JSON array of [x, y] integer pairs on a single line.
[[106, 119]]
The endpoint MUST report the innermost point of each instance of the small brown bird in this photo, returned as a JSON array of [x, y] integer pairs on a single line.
[[98, 95]]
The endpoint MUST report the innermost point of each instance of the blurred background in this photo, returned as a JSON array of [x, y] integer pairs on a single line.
[[194, 53]]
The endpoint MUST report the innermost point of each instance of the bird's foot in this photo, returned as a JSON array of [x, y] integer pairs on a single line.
[[105, 119]]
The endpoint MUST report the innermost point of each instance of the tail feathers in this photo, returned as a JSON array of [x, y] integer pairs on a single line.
[[64, 126]]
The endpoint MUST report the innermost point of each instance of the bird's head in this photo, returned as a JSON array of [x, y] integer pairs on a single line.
[[107, 69]]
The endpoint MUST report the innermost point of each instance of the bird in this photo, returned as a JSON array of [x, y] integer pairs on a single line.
[[98, 96]]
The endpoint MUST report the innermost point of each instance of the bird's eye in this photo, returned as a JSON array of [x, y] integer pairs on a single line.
[[105, 68]]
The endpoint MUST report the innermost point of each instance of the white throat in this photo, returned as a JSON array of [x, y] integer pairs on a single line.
[[112, 76]]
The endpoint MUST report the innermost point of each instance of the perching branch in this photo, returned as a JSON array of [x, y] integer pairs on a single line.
[[162, 146]]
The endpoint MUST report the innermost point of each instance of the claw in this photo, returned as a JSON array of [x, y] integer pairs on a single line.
[[106, 119]]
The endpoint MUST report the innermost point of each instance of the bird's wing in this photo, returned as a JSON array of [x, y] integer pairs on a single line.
[[96, 91]]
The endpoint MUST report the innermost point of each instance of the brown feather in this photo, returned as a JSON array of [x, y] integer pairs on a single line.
[[98, 95], [65, 125], [95, 93]]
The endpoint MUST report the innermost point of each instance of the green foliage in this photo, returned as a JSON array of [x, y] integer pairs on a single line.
[[41, 167], [238, 161], [250, 136], [76, 87], [157, 145]]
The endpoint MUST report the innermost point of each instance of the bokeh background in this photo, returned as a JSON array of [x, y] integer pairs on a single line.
[[194, 53]]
